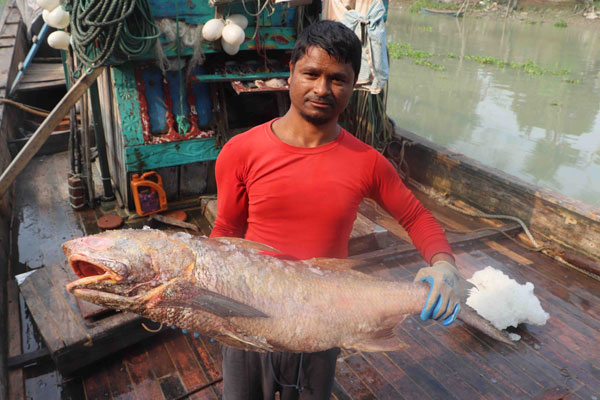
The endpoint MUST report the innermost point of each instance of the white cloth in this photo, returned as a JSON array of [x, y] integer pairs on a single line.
[[365, 17]]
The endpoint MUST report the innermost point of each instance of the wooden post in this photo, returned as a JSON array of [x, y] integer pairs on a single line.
[[45, 129]]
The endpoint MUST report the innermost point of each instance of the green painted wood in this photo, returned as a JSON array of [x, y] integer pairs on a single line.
[[245, 77], [281, 38], [199, 11], [127, 97], [145, 157]]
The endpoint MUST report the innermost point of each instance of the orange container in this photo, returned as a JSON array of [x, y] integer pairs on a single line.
[[148, 193]]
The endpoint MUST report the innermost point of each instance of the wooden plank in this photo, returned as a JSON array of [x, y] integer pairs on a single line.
[[46, 128], [160, 361], [462, 368], [188, 367], [372, 378], [435, 366], [121, 386], [397, 377], [171, 386], [72, 331], [30, 86], [561, 341], [43, 318], [351, 383], [158, 155], [16, 389], [380, 255], [137, 363], [192, 179], [509, 253], [97, 383]]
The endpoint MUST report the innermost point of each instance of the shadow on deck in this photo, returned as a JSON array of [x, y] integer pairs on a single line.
[[556, 361]]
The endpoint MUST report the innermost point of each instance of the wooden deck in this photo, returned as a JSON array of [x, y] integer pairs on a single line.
[[560, 360]]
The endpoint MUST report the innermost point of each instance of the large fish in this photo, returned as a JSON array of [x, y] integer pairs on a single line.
[[228, 289]]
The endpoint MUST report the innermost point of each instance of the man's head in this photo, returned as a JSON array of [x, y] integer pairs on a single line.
[[323, 70], [335, 38]]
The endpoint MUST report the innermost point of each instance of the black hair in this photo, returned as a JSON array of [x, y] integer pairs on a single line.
[[335, 38]]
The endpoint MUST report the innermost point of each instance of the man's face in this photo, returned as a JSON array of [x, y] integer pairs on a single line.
[[320, 86]]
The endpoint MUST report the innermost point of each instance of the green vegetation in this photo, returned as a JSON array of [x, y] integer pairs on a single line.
[[400, 50], [427, 28], [418, 4], [530, 67], [555, 103], [573, 81], [561, 24]]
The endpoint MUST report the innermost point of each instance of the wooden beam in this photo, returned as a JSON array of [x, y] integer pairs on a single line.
[[380, 255], [46, 128]]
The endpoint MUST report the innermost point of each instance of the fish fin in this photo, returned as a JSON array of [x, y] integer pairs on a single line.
[[178, 295], [384, 340], [246, 244], [342, 264]]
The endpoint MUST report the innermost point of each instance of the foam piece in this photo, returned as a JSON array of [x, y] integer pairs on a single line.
[[503, 301]]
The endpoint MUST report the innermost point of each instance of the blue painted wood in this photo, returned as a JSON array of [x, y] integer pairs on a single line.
[[146, 157], [127, 97], [178, 94], [203, 102], [152, 80]]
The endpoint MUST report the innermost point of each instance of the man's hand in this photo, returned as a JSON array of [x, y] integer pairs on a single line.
[[443, 299]]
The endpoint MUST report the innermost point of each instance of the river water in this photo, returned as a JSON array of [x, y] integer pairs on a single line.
[[543, 128]]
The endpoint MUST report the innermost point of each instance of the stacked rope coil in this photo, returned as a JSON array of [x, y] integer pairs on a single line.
[[111, 31]]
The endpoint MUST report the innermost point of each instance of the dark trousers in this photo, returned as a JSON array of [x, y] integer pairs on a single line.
[[248, 375]]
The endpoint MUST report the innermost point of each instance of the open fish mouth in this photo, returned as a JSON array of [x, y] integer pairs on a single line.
[[90, 271]]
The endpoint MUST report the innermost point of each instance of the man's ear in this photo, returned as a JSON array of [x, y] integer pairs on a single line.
[[291, 70]]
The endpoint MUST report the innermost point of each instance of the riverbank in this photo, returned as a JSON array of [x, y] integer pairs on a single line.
[[561, 14]]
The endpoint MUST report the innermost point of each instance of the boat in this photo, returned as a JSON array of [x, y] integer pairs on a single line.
[[452, 13], [55, 347]]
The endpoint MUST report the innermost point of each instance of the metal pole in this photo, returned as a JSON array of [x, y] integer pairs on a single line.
[[101, 143]]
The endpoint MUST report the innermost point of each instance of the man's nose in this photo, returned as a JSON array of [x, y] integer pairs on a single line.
[[322, 87]]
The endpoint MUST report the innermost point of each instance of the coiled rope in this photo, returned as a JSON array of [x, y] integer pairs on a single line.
[[112, 31]]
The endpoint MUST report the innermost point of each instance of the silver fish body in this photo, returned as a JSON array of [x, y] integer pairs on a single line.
[[228, 289]]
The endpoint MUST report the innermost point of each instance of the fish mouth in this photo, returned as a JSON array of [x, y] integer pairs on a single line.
[[89, 271]]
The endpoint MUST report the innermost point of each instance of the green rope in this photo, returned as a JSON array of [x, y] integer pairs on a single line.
[[111, 31], [182, 124]]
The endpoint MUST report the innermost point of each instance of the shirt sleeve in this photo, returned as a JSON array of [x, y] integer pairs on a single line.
[[422, 227], [232, 198]]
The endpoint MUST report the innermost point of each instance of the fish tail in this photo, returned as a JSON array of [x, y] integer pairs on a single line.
[[471, 318]]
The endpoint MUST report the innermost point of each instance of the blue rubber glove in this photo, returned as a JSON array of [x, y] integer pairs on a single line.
[[443, 298]]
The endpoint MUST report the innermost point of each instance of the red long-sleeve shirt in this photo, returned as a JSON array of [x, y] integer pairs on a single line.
[[303, 201]]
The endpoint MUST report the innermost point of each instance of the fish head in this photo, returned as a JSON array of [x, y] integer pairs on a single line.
[[122, 267]]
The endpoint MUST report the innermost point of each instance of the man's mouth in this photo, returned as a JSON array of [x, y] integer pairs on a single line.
[[320, 103]]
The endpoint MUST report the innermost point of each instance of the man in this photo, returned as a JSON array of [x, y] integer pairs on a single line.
[[295, 184]]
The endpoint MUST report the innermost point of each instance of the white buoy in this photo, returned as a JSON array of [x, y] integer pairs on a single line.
[[230, 49], [238, 19], [59, 40], [48, 4], [57, 18], [233, 34], [212, 29]]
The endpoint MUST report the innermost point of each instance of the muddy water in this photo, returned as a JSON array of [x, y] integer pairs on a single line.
[[543, 128]]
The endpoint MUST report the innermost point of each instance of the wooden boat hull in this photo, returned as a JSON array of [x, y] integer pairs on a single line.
[[563, 223]]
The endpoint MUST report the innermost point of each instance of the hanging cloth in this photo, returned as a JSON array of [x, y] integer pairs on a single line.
[[367, 19]]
